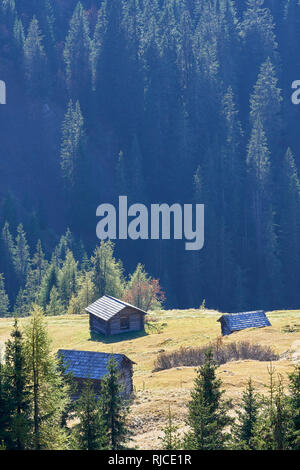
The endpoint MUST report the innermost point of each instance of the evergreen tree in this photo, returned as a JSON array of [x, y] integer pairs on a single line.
[[107, 272], [49, 281], [273, 428], [243, 432], [4, 302], [114, 408], [35, 59], [19, 394], [170, 440], [85, 296], [207, 411], [5, 408], [21, 255], [72, 142], [68, 279], [294, 386], [90, 433], [77, 53], [55, 307], [48, 392], [262, 216]]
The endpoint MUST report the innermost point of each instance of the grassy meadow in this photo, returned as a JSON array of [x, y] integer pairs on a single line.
[[167, 331]]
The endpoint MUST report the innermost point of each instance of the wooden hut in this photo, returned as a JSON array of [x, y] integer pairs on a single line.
[[241, 321], [110, 316], [89, 365]]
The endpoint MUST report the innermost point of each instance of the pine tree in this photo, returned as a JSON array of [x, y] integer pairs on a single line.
[[207, 411], [243, 431], [19, 394], [4, 301], [114, 408], [90, 433], [49, 394], [170, 439]]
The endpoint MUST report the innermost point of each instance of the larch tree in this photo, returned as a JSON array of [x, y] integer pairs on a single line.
[[107, 272], [49, 394]]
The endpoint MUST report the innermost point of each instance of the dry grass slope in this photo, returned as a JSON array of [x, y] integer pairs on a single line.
[[168, 331]]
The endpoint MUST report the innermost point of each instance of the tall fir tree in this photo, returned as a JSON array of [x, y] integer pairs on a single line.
[[114, 408], [4, 301], [19, 393], [90, 433], [207, 411]]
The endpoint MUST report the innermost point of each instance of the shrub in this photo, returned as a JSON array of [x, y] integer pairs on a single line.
[[222, 353]]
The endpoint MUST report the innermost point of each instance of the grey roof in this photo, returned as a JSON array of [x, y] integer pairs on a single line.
[[88, 364], [241, 321], [107, 307]]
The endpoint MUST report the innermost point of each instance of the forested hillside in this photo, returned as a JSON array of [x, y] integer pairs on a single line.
[[165, 101]]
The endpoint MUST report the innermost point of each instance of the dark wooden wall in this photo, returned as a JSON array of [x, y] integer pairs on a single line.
[[113, 326]]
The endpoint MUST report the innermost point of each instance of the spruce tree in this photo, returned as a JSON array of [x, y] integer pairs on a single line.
[[114, 408], [35, 59], [55, 306], [77, 53], [294, 386], [49, 281], [207, 411], [72, 142], [247, 415], [273, 428], [170, 439], [5, 408], [4, 301], [19, 393], [21, 255], [90, 433]]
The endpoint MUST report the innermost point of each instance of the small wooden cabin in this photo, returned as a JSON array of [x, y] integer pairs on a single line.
[[90, 365], [110, 316], [242, 321]]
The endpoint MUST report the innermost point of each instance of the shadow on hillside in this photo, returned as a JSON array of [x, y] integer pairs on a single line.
[[116, 338]]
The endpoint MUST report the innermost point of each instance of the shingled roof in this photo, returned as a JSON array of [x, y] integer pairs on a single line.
[[89, 364], [242, 321], [107, 307]]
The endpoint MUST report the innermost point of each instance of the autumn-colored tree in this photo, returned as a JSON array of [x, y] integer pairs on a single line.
[[143, 291]]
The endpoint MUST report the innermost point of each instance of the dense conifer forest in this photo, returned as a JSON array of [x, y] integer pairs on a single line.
[[164, 101]]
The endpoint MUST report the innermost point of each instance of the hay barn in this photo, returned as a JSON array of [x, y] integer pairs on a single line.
[[110, 316], [242, 321], [90, 365]]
